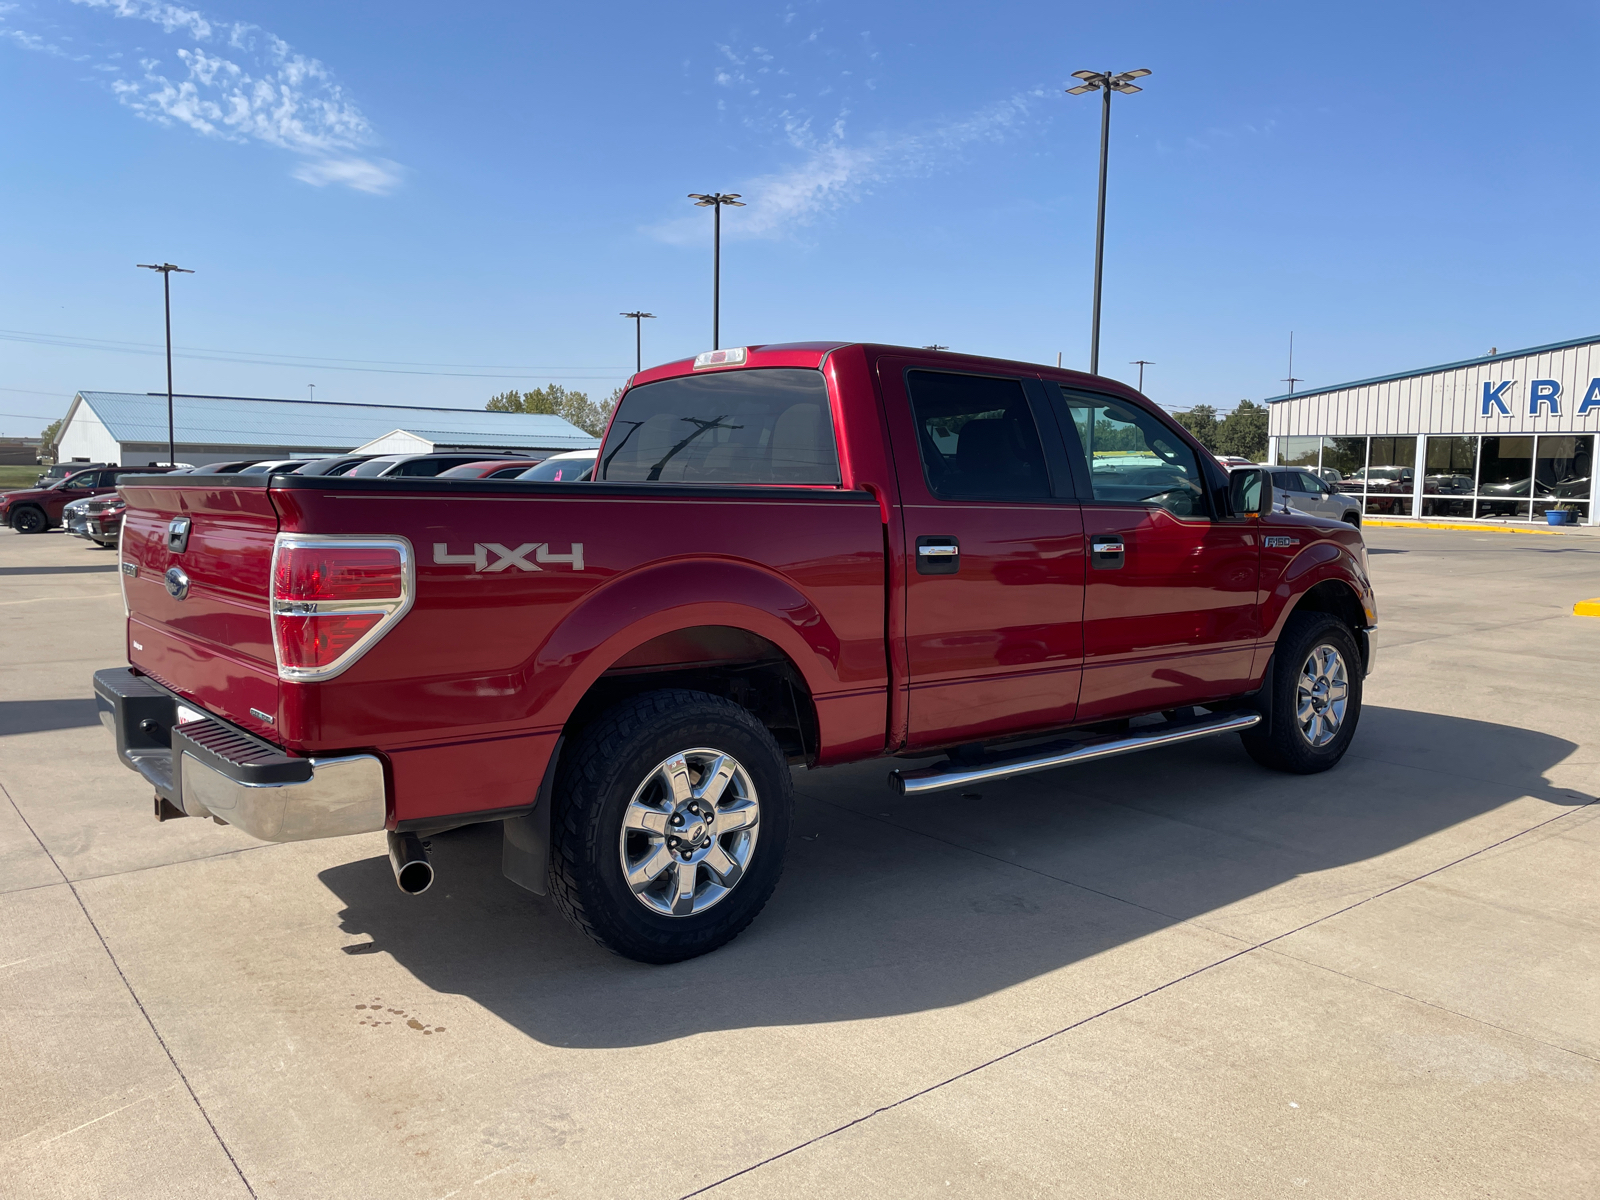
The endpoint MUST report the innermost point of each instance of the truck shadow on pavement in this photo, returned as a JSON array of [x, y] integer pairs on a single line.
[[890, 905], [37, 716]]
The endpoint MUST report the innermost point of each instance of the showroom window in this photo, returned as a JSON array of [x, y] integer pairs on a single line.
[[1507, 478]]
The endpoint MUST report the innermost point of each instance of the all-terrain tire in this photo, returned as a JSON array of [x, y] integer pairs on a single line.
[[1297, 737], [615, 760], [29, 520]]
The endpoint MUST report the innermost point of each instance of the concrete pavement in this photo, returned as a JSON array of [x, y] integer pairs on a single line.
[[1175, 974]]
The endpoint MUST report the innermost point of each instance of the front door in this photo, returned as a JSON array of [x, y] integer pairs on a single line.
[[994, 548], [1170, 614]]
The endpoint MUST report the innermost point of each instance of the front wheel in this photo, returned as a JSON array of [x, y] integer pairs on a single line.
[[29, 520], [1316, 697], [672, 811]]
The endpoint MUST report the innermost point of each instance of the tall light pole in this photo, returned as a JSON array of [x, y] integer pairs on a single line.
[[639, 319], [1291, 381], [1141, 363], [715, 202], [166, 270], [1106, 82]]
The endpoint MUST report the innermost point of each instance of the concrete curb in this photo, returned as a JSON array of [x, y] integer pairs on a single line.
[[1458, 525]]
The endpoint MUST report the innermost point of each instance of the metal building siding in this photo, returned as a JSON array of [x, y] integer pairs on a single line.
[[1448, 400]]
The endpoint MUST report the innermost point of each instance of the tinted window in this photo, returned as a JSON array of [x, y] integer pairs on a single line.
[[1307, 482], [977, 437], [753, 426], [1133, 458], [1286, 481]]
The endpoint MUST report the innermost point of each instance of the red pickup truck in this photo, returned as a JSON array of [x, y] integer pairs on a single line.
[[801, 554]]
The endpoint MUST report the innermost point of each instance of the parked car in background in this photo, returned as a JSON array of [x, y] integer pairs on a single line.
[[225, 468], [1302, 490], [34, 510], [1382, 479], [498, 468], [341, 464], [415, 466], [274, 466], [562, 468], [98, 519], [59, 471]]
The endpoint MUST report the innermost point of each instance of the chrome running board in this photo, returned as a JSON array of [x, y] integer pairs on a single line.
[[954, 773]]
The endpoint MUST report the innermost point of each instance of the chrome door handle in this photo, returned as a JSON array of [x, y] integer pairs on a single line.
[[1109, 546], [938, 554], [938, 551]]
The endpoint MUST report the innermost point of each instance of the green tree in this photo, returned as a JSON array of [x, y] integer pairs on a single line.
[[555, 400], [1201, 420], [1244, 432], [47, 436]]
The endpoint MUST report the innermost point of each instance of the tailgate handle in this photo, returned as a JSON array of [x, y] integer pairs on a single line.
[[178, 534]]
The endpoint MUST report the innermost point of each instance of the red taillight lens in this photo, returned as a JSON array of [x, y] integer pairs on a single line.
[[332, 598], [323, 571]]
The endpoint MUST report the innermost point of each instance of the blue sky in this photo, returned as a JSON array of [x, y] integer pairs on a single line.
[[427, 204]]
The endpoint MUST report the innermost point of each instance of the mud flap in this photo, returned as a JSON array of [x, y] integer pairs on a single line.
[[525, 848]]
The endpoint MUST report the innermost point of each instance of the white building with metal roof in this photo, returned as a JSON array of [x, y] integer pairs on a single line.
[[1505, 437], [130, 429]]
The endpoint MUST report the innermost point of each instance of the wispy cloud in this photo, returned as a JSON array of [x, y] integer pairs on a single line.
[[833, 171], [236, 82]]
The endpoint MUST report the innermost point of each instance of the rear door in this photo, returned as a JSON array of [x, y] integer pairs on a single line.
[[1170, 614], [994, 539]]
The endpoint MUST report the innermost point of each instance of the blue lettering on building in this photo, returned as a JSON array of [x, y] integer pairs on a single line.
[[1591, 398], [1494, 393], [1544, 391]]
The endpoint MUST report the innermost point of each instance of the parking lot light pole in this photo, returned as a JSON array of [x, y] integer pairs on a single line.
[[715, 202], [1105, 82], [639, 319], [1141, 363], [166, 270]]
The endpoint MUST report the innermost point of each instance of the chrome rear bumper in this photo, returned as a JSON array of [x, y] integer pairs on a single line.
[[208, 768]]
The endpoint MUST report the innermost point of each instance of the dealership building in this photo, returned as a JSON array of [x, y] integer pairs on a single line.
[[1504, 437]]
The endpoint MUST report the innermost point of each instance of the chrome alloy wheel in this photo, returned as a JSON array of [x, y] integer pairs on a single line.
[[1321, 696], [689, 832]]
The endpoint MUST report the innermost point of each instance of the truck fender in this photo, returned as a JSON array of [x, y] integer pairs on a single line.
[[1318, 564], [641, 605]]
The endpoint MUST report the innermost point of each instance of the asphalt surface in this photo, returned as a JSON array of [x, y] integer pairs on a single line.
[[1175, 974]]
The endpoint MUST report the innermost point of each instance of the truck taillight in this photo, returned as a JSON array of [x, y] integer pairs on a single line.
[[333, 597]]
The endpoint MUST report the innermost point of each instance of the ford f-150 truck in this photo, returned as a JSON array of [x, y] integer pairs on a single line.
[[787, 555]]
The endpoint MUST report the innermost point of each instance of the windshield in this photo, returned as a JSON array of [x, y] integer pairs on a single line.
[[750, 426], [559, 470]]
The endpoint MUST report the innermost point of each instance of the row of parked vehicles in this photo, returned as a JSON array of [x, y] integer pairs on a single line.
[[82, 498]]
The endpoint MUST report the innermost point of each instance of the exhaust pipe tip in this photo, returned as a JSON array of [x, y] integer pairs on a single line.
[[413, 873]]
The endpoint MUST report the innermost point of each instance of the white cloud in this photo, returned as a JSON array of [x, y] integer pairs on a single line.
[[364, 174], [240, 83], [834, 172]]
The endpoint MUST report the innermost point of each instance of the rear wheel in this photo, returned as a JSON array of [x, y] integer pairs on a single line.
[[672, 811], [1316, 697], [29, 520]]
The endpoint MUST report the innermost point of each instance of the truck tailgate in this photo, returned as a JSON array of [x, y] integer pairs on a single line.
[[195, 567]]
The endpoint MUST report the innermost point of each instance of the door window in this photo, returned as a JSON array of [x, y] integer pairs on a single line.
[[1307, 482], [1132, 458], [977, 437], [1286, 481]]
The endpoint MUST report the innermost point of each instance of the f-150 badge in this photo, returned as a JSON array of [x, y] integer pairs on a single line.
[[506, 557]]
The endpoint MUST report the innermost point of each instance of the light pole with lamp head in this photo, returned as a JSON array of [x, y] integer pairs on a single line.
[[1141, 363], [166, 270], [1102, 81], [639, 319], [715, 202]]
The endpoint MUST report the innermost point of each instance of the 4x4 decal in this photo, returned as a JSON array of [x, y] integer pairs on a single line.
[[507, 557]]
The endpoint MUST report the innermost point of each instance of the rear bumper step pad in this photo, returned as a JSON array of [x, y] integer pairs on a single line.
[[209, 768]]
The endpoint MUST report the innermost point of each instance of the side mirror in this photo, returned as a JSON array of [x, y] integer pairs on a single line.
[[1249, 492]]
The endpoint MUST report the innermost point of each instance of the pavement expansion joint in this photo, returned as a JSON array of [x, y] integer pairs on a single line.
[[133, 995]]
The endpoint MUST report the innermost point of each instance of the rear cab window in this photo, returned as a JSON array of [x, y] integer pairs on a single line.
[[977, 437], [762, 425]]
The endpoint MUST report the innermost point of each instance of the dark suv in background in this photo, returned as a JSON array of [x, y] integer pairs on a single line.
[[34, 510]]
